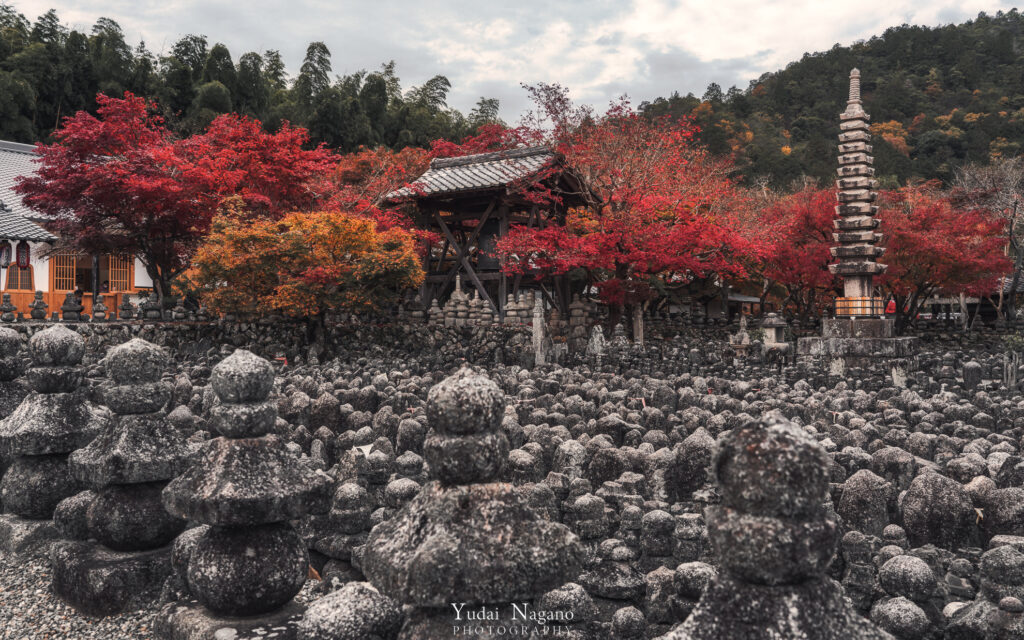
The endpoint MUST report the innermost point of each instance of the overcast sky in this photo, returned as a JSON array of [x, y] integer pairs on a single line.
[[600, 49]]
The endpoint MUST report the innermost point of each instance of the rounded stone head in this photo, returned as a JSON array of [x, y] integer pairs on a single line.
[[772, 468], [242, 377], [135, 361], [10, 364], [56, 346], [465, 403]]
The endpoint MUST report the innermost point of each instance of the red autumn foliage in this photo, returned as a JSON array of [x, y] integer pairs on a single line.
[[361, 182], [934, 247], [798, 228], [661, 212], [119, 182]]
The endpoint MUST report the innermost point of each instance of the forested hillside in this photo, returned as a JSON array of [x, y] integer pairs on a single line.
[[48, 71], [938, 97]]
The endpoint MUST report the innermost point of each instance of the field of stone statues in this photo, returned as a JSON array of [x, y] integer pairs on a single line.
[[417, 491]]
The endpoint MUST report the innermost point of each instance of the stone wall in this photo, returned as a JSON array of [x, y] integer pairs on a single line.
[[293, 341]]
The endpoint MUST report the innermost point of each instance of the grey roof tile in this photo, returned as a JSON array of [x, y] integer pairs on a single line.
[[16, 160], [480, 171]]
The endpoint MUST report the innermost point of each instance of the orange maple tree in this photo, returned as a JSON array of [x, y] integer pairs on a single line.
[[302, 265]]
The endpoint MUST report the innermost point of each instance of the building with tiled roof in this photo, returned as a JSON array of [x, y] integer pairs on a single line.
[[470, 202], [31, 258], [15, 218], [482, 171]]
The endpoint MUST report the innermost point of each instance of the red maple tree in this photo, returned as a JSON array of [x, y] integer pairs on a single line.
[[934, 247], [660, 211], [119, 182], [797, 229]]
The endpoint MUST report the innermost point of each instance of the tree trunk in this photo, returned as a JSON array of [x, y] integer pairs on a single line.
[[1011, 296], [316, 334]]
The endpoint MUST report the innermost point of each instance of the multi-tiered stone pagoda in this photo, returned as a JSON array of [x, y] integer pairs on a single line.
[[856, 225], [859, 335]]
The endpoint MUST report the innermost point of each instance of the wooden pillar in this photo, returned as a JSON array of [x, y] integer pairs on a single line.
[[503, 282], [95, 278], [425, 265]]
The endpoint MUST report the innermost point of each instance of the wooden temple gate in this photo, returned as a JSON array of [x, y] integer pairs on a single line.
[[471, 202]]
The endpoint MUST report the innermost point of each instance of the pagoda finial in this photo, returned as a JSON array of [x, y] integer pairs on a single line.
[[855, 86]]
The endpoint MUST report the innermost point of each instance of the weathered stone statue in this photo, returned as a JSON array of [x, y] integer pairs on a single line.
[[99, 310], [150, 308], [12, 391], [71, 310], [7, 309], [247, 485], [38, 306], [126, 310], [466, 538], [774, 542], [127, 466], [51, 422]]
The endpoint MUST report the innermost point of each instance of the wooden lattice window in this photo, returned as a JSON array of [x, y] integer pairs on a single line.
[[19, 279], [120, 273], [63, 267]]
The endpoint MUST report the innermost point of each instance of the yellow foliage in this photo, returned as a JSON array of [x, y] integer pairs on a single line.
[[702, 109], [302, 265], [1001, 147], [786, 149], [892, 128], [974, 117]]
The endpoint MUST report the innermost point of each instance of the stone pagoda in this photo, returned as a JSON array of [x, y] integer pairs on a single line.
[[858, 335], [467, 537], [856, 225], [52, 421], [774, 540], [247, 485], [12, 391], [128, 465]]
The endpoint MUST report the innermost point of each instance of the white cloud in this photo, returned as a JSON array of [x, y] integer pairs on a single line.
[[598, 48]]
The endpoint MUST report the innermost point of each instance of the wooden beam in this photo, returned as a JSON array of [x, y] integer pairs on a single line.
[[503, 282], [479, 285], [492, 276], [462, 250]]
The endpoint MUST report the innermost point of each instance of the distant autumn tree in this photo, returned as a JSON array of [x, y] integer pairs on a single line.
[[661, 211], [302, 265], [999, 187], [120, 182], [934, 246], [360, 183], [797, 229]]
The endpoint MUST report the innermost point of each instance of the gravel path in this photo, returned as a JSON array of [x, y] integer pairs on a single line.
[[30, 611]]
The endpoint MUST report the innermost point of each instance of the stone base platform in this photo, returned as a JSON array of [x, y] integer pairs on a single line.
[[848, 343], [18, 535], [193, 621], [99, 582]]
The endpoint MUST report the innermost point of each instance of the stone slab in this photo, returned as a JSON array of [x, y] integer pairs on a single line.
[[192, 621], [31, 537], [858, 328], [1004, 540], [904, 347], [99, 582]]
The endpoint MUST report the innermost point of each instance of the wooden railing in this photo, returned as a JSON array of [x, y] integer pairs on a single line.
[[22, 299], [859, 307]]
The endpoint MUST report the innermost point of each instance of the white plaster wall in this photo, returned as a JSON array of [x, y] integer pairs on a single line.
[[40, 267], [142, 278]]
